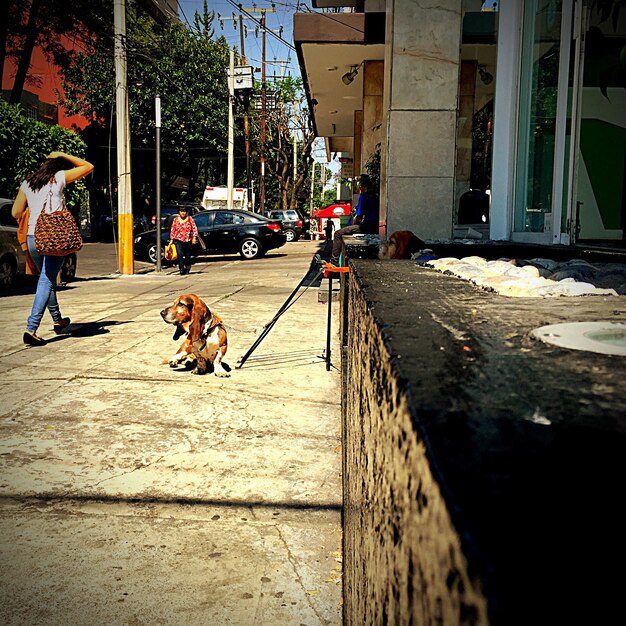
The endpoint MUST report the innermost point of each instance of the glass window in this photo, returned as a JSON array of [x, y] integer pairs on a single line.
[[202, 220], [537, 115], [222, 218]]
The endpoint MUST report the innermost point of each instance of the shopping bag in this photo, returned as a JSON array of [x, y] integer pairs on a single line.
[[170, 253]]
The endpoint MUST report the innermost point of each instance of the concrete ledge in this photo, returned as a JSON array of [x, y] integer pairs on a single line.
[[483, 471]]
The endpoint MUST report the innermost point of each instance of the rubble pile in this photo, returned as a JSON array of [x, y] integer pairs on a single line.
[[537, 278]]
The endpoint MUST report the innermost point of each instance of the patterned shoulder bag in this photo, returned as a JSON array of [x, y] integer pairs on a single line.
[[56, 232]]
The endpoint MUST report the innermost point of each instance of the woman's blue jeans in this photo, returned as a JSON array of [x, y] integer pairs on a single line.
[[45, 296]]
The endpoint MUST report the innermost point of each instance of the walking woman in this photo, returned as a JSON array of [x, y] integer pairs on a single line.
[[45, 186], [183, 233]]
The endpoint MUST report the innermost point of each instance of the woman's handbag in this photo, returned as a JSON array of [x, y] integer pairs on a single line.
[[56, 233], [170, 253]]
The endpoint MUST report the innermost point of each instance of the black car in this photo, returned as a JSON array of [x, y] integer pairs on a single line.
[[222, 232], [168, 211], [294, 223]]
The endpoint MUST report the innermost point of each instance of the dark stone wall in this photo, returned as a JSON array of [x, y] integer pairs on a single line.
[[484, 471], [403, 560]]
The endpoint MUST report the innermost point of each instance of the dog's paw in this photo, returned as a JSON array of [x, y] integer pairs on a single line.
[[222, 373]]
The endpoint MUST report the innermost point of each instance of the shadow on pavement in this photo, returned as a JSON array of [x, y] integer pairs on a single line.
[[90, 329]]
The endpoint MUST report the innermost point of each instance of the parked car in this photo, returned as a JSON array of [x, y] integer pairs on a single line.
[[13, 258], [294, 223], [222, 232], [169, 210]]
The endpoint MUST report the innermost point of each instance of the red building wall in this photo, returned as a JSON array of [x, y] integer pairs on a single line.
[[50, 83]]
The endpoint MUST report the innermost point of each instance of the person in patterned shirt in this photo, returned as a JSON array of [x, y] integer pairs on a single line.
[[183, 234]]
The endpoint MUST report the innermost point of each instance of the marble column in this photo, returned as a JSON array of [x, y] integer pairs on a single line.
[[421, 97]]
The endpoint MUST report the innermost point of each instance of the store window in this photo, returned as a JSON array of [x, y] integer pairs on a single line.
[[537, 115]]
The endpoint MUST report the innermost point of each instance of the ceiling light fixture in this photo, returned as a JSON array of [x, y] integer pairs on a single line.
[[348, 77]]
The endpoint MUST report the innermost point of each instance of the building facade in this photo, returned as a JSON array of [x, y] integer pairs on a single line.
[[522, 99]]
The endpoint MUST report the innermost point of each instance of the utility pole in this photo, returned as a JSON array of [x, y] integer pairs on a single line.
[[295, 141], [312, 188], [246, 128], [231, 131], [263, 104], [249, 11], [124, 195]]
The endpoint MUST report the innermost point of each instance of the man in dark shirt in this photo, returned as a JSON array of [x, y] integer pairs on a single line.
[[366, 220]]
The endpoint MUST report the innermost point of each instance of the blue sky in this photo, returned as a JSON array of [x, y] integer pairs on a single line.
[[275, 50]]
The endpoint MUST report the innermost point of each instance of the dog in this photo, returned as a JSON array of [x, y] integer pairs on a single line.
[[206, 340], [401, 244]]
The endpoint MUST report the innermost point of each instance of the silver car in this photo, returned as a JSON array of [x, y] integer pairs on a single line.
[[13, 258]]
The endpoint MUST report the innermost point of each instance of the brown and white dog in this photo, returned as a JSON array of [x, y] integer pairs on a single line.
[[400, 245], [206, 339]]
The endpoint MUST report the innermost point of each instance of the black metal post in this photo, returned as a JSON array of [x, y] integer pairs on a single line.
[[157, 106], [328, 321]]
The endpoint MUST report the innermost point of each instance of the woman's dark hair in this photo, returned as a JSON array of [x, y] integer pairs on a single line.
[[46, 171]]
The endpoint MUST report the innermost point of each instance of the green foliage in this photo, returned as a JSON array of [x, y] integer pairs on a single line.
[[25, 143], [372, 169], [188, 70], [285, 190], [45, 24]]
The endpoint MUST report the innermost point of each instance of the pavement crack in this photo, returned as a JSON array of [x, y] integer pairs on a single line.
[[140, 466], [293, 563]]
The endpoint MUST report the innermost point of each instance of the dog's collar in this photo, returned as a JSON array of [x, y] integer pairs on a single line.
[[209, 325]]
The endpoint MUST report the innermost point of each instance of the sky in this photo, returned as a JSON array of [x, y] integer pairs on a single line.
[[276, 52]]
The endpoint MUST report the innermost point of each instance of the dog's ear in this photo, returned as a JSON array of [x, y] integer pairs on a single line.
[[179, 332], [416, 244], [198, 317]]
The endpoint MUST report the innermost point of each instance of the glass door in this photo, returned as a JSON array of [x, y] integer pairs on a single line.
[[538, 131], [598, 195]]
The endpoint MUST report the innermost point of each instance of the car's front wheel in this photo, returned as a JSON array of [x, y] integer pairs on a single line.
[[290, 234], [250, 248], [7, 272], [151, 252]]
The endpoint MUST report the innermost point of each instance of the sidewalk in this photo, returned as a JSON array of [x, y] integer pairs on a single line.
[[137, 494]]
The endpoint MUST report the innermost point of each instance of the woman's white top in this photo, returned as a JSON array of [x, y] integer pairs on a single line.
[[51, 194]]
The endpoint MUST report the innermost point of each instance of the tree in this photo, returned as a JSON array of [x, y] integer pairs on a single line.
[[25, 143], [289, 118], [187, 69], [27, 24]]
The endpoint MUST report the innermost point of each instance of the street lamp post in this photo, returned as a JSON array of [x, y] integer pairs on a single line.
[[157, 115]]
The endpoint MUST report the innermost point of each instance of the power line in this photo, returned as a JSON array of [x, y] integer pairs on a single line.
[[279, 38]]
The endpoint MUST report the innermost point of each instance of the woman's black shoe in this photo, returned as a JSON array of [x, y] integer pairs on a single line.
[[31, 340], [61, 325]]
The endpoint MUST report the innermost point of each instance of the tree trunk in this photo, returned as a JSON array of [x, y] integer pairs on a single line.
[[27, 53], [4, 31]]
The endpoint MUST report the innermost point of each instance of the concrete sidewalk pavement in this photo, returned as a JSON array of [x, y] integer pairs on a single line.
[[132, 493]]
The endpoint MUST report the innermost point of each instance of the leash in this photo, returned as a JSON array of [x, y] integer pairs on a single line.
[[289, 302]]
